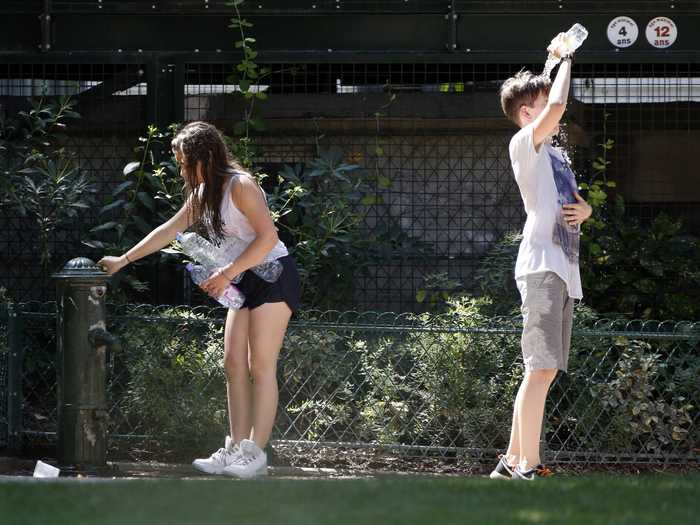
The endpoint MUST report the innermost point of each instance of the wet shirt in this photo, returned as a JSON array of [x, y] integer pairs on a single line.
[[546, 183]]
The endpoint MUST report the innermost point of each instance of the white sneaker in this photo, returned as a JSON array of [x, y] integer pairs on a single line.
[[250, 463], [219, 460]]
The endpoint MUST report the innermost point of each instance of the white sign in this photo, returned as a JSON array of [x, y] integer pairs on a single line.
[[661, 32], [622, 31]]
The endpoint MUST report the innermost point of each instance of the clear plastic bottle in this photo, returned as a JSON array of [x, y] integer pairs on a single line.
[[575, 36], [212, 257], [201, 250], [232, 297], [573, 39], [232, 248]]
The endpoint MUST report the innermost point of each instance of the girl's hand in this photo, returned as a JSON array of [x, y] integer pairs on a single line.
[[576, 214], [215, 285], [112, 265]]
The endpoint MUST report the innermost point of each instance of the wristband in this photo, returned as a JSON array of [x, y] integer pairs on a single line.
[[127, 259], [224, 274]]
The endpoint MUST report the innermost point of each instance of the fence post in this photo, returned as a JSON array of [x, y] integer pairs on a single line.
[[82, 342], [15, 340]]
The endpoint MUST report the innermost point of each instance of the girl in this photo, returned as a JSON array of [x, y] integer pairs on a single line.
[[229, 203]]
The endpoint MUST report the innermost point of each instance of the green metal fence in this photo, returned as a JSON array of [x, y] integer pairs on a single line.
[[398, 385]]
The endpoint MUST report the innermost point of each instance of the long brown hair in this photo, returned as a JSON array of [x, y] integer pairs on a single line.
[[201, 142]]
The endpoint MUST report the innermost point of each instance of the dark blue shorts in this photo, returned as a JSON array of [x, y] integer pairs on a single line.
[[286, 289]]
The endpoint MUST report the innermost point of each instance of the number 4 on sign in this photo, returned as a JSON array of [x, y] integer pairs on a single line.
[[622, 31]]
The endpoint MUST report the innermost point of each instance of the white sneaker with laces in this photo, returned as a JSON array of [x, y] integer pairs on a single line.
[[219, 460], [250, 463]]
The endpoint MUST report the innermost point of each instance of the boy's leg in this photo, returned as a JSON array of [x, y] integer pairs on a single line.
[[530, 408], [544, 297], [513, 452]]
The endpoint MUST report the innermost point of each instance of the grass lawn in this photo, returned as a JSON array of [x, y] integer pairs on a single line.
[[587, 500]]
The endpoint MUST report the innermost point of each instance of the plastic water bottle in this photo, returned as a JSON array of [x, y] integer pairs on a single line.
[[232, 297], [268, 271], [573, 39], [201, 250], [232, 249], [212, 257]]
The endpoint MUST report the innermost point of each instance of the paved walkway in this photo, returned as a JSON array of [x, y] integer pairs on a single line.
[[16, 469]]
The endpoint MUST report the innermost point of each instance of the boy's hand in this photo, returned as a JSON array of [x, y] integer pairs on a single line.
[[557, 47], [576, 214]]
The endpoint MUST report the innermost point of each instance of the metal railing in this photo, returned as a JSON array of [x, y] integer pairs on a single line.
[[334, 6], [400, 384]]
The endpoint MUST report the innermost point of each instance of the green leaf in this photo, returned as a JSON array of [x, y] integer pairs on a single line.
[[146, 200], [124, 185], [131, 168], [420, 296], [244, 84], [106, 226], [111, 206], [370, 200], [142, 225], [99, 245], [258, 124], [239, 128], [383, 182]]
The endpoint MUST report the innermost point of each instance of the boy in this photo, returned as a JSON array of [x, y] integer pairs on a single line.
[[546, 270]]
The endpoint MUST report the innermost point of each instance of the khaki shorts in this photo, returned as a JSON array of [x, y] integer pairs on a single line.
[[548, 313]]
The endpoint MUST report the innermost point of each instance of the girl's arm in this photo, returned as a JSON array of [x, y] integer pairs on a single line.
[[159, 238], [250, 200]]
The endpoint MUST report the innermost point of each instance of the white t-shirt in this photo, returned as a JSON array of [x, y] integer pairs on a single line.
[[546, 182]]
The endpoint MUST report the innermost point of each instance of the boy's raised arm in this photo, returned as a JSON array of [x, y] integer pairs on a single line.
[[548, 120]]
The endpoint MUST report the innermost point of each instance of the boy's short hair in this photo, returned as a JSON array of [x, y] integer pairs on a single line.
[[523, 88]]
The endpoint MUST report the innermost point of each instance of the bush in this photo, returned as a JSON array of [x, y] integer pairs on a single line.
[[42, 181], [647, 406], [168, 381], [427, 385], [647, 272], [319, 208]]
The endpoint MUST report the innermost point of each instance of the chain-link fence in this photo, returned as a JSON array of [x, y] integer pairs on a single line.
[[399, 385]]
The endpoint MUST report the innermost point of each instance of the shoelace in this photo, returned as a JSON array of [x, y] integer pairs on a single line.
[[245, 459], [223, 454]]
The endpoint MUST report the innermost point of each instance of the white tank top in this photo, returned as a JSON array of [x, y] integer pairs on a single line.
[[236, 224]]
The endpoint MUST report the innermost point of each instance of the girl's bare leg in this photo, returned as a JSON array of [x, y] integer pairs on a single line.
[[238, 386], [268, 324]]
